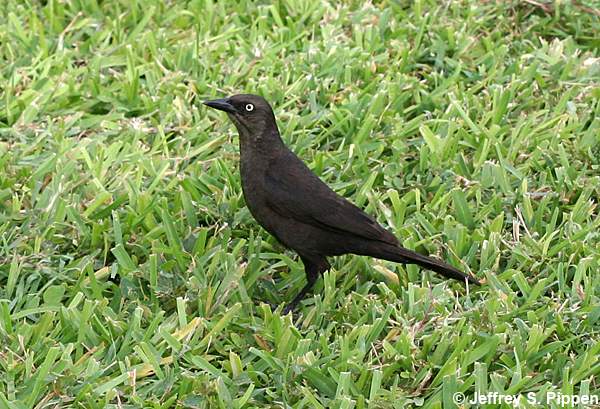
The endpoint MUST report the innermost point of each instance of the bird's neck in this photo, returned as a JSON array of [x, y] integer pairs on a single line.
[[262, 146]]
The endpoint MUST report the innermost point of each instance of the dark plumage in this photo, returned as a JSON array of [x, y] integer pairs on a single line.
[[301, 211]]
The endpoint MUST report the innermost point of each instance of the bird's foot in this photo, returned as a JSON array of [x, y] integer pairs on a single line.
[[289, 308]]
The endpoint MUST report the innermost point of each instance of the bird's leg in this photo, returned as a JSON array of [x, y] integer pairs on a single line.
[[313, 268], [294, 303]]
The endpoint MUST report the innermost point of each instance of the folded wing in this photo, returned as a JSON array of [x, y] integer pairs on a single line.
[[294, 191]]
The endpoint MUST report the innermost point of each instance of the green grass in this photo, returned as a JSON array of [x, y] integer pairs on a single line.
[[132, 274]]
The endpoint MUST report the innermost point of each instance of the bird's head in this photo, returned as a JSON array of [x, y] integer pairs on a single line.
[[251, 114]]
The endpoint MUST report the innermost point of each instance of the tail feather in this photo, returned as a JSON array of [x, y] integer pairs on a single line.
[[402, 255]]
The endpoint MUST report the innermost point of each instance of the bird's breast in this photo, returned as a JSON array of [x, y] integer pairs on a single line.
[[253, 187], [253, 174]]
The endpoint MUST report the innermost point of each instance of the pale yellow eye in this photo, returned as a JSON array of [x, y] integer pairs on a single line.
[[249, 107]]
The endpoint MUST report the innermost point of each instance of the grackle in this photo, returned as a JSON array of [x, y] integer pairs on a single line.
[[298, 208]]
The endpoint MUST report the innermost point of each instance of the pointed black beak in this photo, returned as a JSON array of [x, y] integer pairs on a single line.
[[221, 105]]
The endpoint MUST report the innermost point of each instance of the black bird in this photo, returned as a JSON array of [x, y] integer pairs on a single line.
[[299, 209]]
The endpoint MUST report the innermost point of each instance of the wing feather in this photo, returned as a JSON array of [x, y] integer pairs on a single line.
[[294, 191]]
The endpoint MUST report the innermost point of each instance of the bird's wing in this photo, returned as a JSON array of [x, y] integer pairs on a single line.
[[294, 191]]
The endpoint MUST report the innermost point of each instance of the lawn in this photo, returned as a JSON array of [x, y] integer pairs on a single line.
[[133, 275]]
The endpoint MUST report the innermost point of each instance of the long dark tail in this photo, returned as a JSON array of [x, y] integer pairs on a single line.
[[405, 256]]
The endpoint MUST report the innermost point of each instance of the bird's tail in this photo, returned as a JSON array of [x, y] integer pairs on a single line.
[[405, 256]]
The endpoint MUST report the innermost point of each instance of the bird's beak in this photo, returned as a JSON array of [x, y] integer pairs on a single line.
[[221, 105]]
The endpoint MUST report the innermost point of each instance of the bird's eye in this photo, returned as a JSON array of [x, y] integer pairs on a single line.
[[249, 107]]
